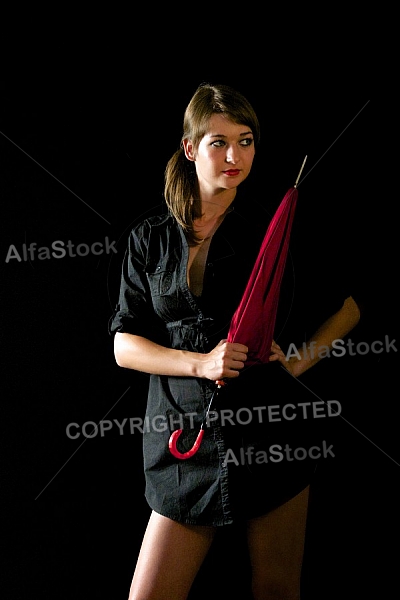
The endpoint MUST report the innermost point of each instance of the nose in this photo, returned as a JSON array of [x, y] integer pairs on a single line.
[[232, 155]]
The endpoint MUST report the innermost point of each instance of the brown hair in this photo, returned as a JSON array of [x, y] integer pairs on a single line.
[[180, 181]]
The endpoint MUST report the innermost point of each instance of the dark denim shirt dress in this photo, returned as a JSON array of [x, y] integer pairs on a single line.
[[156, 302]]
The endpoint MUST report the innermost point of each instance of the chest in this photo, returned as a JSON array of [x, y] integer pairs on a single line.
[[196, 266]]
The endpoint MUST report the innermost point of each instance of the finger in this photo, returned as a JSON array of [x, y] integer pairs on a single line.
[[275, 345], [239, 356], [239, 347]]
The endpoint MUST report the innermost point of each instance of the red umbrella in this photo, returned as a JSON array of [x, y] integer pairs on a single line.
[[254, 319]]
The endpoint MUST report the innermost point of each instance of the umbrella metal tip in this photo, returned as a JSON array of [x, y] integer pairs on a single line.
[[298, 176]]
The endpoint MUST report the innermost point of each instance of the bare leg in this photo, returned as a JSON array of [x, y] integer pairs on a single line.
[[276, 548], [169, 559]]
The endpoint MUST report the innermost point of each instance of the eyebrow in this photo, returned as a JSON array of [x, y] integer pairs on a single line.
[[220, 135]]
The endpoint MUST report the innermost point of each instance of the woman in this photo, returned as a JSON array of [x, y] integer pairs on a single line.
[[183, 275]]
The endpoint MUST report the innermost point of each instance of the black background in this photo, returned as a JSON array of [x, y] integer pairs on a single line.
[[84, 139]]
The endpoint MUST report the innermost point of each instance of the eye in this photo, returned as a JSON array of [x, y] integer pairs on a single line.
[[247, 141], [218, 143]]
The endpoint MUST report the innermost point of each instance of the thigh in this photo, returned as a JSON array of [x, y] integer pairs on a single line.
[[276, 548], [169, 559]]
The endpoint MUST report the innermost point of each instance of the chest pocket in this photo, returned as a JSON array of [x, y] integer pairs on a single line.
[[162, 277]]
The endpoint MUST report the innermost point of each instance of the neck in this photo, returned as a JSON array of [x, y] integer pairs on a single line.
[[215, 207]]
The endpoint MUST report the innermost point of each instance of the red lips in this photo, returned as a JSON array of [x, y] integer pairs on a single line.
[[232, 172]]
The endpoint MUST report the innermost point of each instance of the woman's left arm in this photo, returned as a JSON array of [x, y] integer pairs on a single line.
[[334, 328]]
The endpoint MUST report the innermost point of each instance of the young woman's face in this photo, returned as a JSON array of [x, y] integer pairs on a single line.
[[224, 156]]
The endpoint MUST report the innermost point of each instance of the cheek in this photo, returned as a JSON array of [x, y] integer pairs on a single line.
[[210, 163], [205, 167], [205, 158], [249, 161]]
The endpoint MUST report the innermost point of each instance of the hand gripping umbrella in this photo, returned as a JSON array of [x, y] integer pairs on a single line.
[[254, 319]]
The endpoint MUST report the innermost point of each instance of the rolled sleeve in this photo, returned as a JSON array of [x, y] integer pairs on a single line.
[[134, 311]]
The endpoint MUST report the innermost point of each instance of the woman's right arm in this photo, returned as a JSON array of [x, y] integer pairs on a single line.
[[141, 354], [134, 312]]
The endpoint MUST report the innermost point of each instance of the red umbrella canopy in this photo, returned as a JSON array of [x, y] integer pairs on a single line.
[[254, 320]]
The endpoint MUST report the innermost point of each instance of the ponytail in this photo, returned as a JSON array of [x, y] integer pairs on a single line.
[[181, 193]]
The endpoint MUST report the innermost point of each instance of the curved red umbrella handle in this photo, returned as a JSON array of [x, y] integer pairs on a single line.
[[174, 439]]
